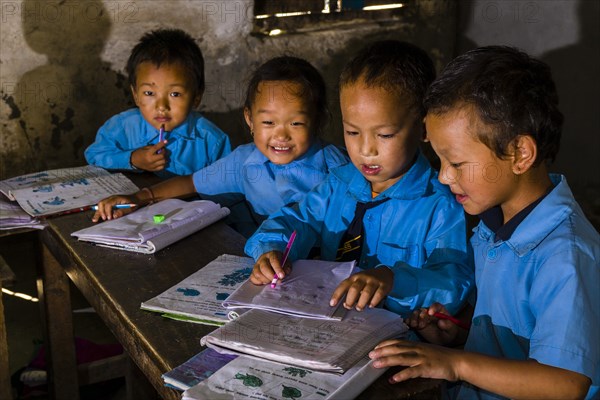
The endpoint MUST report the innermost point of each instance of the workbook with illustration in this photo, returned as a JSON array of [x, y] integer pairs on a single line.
[[305, 292], [155, 227], [199, 297], [248, 378], [320, 345], [58, 191]]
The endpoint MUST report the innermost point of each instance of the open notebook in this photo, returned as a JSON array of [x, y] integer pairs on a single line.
[[305, 292], [58, 191], [139, 232], [199, 297]]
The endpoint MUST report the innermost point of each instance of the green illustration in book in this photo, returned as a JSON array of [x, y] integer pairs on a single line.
[[249, 380], [290, 392], [297, 371], [236, 277]]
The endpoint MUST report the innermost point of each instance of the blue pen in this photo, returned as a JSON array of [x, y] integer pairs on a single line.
[[116, 206], [285, 256]]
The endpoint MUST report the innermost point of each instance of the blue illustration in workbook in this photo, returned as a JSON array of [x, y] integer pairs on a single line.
[[74, 182], [222, 296], [30, 178], [43, 189], [236, 277], [188, 292], [56, 201]]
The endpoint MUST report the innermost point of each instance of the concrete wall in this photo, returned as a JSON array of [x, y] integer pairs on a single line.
[[566, 35], [62, 63]]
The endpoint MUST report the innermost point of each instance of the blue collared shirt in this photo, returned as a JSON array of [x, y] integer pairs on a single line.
[[538, 292], [191, 146], [420, 233], [247, 174]]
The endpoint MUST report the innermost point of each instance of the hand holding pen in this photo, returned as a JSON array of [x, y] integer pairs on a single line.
[[436, 325], [113, 207], [284, 258], [269, 264]]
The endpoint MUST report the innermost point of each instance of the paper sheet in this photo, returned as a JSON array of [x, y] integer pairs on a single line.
[[305, 292]]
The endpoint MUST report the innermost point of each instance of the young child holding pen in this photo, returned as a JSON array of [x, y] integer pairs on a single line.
[[493, 119], [386, 209], [163, 134], [285, 109]]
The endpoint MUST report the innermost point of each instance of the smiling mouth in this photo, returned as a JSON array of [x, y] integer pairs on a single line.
[[281, 148]]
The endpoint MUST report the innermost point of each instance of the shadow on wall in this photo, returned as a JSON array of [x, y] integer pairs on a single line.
[[60, 105], [575, 70]]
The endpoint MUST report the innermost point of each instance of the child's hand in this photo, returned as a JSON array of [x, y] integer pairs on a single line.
[[148, 158], [105, 207], [421, 360], [432, 329], [367, 287], [267, 266]]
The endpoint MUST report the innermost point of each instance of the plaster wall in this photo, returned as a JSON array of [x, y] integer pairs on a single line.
[[566, 35], [62, 64]]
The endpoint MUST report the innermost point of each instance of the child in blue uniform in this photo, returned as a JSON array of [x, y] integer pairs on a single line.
[[166, 74], [493, 119], [409, 233], [285, 109]]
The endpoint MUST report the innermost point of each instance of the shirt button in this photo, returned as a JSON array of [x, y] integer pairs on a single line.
[[492, 254]]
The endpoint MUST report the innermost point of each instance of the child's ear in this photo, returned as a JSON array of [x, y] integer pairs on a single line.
[[248, 118], [134, 93], [525, 153]]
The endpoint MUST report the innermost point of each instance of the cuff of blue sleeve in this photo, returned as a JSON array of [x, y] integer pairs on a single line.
[[258, 249]]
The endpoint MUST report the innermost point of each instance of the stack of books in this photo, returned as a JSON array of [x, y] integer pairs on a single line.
[[287, 341]]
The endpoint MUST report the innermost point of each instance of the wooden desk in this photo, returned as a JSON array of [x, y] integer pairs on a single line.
[[116, 282]]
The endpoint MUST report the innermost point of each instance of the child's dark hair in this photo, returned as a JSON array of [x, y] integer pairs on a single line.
[[393, 65], [294, 69], [168, 46], [510, 91]]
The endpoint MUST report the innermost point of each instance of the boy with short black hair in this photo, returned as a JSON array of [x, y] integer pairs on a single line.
[[164, 134], [493, 119]]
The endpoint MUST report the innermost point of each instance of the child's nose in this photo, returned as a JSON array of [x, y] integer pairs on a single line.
[[162, 103], [368, 147], [281, 133], [446, 175]]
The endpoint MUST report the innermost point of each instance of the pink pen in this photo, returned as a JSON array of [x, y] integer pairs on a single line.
[[452, 319], [161, 134], [285, 256]]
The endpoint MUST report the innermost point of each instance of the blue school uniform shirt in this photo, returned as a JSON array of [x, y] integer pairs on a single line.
[[538, 292], [247, 174], [192, 145], [420, 233]]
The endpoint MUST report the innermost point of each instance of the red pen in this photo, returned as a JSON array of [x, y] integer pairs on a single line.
[[455, 321]]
